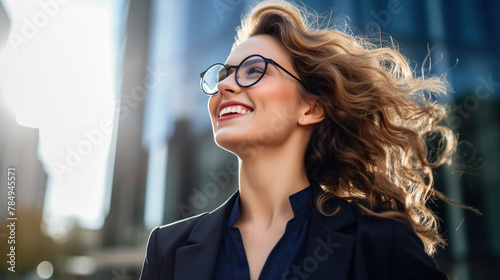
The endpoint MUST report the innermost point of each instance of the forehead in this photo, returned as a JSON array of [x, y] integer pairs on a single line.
[[264, 45]]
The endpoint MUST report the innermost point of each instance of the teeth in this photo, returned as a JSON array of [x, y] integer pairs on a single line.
[[234, 109]]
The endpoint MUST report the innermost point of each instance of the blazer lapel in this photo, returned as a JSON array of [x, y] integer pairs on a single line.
[[329, 249], [197, 260]]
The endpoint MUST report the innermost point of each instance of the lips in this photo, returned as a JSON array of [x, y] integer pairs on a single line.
[[233, 109]]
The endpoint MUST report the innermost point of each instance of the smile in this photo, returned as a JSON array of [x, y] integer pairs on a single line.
[[234, 110]]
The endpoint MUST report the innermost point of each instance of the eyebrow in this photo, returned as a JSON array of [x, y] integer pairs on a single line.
[[251, 61], [245, 64]]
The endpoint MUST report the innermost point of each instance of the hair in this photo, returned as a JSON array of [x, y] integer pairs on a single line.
[[371, 148]]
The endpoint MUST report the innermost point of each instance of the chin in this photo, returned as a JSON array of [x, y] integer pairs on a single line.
[[227, 142], [244, 147], [235, 144]]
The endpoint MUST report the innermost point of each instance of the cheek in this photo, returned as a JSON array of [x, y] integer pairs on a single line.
[[281, 99], [213, 103]]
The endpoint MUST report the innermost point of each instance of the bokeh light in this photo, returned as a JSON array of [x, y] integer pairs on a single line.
[[45, 270]]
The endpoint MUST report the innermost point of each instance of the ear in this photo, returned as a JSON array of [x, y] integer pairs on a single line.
[[312, 113]]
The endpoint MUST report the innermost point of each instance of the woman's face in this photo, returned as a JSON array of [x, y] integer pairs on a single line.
[[267, 113]]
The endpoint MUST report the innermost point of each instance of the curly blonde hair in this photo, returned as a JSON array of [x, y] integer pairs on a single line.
[[371, 147]]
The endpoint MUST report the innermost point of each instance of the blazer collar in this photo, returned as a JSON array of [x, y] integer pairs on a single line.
[[344, 218], [330, 247], [197, 259]]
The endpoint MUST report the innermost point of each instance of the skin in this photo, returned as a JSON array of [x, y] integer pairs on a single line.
[[270, 143]]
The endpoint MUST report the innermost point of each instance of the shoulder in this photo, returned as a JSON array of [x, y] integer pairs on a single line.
[[175, 233], [393, 247], [178, 229], [380, 227], [374, 231], [352, 220], [164, 241], [369, 231], [169, 237]]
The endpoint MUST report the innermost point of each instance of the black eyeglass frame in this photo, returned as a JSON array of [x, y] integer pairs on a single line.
[[237, 67]]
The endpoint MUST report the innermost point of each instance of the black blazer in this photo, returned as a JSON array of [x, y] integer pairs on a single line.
[[348, 245]]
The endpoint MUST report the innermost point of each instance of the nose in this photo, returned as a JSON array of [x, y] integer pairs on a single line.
[[229, 85]]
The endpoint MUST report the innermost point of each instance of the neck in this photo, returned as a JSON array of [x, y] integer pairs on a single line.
[[267, 179]]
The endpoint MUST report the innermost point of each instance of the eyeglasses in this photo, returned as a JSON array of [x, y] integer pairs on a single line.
[[249, 72]]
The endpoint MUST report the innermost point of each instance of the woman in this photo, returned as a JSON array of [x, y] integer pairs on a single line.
[[334, 178]]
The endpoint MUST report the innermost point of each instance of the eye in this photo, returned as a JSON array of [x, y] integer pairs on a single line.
[[252, 67], [225, 73], [253, 70], [222, 74]]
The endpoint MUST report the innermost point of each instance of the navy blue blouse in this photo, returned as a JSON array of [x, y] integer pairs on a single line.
[[232, 262]]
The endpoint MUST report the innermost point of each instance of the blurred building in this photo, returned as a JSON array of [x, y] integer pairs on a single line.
[[19, 155]]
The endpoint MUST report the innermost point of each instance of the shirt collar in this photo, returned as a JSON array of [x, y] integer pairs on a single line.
[[235, 213], [301, 202]]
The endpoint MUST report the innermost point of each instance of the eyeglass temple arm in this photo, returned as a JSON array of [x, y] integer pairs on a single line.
[[293, 76]]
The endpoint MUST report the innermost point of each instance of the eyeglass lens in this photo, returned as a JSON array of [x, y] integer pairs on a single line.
[[249, 72]]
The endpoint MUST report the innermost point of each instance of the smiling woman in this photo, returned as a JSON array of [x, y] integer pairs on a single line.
[[330, 132]]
